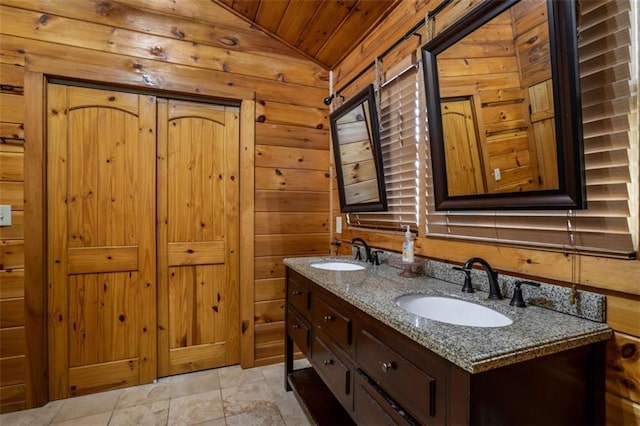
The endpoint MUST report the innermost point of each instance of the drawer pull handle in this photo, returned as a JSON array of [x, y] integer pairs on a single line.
[[328, 318], [295, 326], [388, 366], [296, 292], [328, 362]]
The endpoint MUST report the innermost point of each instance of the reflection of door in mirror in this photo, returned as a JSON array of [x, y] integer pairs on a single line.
[[543, 125], [462, 154], [504, 69], [356, 153]]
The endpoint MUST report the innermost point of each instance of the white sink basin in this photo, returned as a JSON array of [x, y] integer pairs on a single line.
[[452, 311], [337, 266]]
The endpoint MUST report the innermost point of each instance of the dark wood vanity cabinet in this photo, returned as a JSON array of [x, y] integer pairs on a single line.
[[323, 331], [364, 372], [365, 365]]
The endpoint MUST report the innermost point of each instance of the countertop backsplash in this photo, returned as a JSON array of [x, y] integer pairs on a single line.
[[587, 305]]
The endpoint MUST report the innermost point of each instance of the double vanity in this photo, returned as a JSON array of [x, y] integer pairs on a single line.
[[459, 358]]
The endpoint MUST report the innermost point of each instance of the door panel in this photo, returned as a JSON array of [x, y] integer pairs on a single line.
[[197, 236], [97, 300], [194, 311], [101, 254]]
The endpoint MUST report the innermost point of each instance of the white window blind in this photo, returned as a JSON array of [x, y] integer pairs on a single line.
[[398, 115], [607, 109]]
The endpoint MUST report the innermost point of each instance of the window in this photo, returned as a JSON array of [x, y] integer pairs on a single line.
[[399, 105], [610, 142]]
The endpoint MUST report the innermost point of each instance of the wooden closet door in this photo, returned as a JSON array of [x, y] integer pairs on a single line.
[[101, 150], [198, 202], [461, 148]]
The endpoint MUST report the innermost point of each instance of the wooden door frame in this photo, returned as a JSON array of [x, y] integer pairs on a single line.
[[35, 240], [35, 219]]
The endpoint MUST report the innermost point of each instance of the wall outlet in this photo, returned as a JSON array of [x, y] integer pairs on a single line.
[[496, 174], [338, 224], [5, 215]]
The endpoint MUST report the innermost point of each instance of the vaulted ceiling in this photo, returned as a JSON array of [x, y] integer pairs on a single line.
[[324, 30]]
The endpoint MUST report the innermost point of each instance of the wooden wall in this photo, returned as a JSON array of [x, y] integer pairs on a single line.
[[191, 48], [291, 210], [618, 279], [12, 330]]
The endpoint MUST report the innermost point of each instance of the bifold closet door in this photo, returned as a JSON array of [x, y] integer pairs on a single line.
[[198, 258], [101, 151]]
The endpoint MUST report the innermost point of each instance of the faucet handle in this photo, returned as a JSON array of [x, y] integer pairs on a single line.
[[374, 256], [466, 287], [517, 299]]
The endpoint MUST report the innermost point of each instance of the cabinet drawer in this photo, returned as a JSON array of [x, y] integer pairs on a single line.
[[335, 324], [337, 374], [299, 332], [373, 407], [299, 296], [398, 377]]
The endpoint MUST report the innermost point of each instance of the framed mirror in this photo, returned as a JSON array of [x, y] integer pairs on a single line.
[[503, 108], [358, 159]]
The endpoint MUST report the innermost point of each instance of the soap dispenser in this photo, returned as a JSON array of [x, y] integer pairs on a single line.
[[407, 247]]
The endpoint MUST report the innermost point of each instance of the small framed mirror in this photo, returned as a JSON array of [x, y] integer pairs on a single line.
[[503, 108], [358, 159]]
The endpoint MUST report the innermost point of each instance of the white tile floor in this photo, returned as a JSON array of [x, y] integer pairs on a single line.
[[224, 396]]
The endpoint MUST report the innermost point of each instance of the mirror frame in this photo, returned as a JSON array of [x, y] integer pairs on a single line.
[[571, 192], [366, 94]]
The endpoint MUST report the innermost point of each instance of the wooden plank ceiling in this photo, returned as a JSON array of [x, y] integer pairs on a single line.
[[324, 30]]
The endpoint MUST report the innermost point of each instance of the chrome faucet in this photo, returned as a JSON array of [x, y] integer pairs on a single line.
[[494, 288], [367, 249]]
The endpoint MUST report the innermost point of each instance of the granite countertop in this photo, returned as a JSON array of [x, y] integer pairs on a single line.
[[535, 331]]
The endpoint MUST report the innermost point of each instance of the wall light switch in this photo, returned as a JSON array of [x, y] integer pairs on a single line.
[[338, 224], [5, 215], [496, 174]]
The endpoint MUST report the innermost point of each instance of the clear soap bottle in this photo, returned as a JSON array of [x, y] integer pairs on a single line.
[[407, 247]]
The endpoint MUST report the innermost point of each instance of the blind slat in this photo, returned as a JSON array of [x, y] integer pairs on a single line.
[[614, 74], [606, 110], [619, 89], [595, 12]]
